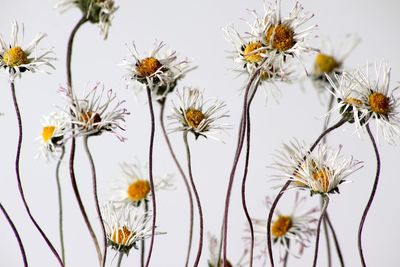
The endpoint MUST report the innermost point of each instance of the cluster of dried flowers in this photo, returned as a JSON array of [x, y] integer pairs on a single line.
[[269, 53]]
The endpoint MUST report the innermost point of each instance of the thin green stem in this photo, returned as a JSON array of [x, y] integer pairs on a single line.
[[324, 207], [17, 236], [60, 204], [96, 199], [17, 172], [185, 180], [201, 219], [371, 197]]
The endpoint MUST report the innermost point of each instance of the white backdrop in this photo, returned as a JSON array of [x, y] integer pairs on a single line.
[[193, 28]]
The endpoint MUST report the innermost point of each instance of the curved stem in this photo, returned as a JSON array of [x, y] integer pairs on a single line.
[[286, 185], [185, 179], [17, 236], [70, 47], [153, 193], [60, 205], [371, 197], [244, 179], [201, 220], [335, 239], [96, 199], [252, 79], [328, 241], [72, 152], [21, 190], [143, 242], [120, 256], [324, 207]]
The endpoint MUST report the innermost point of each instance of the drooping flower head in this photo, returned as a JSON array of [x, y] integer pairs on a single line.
[[158, 71], [320, 171], [297, 228], [97, 112], [55, 128], [193, 114], [125, 225], [134, 187], [99, 12], [330, 60], [16, 59]]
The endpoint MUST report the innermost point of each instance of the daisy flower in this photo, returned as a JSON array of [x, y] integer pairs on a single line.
[[380, 105], [329, 61], [284, 37], [96, 112], [15, 59], [54, 130], [125, 225], [323, 170], [134, 187], [99, 12], [197, 116], [296, 228], [158, 71]]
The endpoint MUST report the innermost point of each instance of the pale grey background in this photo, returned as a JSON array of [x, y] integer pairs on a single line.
[[194, 29]]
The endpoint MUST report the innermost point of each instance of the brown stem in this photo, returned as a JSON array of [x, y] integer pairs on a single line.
[[153, 195], [185, 180], [96, 199], [286, 185], [17, 236], [335, 239], [20, 188], [328, 241], [371, 197], [201, 220], [324, 207]]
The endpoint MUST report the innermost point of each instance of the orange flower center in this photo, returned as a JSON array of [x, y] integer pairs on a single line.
[[121, 235], [90, 118], [138, 190], [148, 66], [281, 226], [47, 133], [325, 64], [249, 54], [15, 57], [379, 103], [280, 37], [194, 117], [322, 176]]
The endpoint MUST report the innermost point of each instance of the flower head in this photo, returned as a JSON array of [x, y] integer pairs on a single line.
[[94, 114], [195, 115], [134, 187], [55, 127], [125, 225], [330, 60], [320, 171], [296, 228], [99, 12], [160, 72], [16, 59]]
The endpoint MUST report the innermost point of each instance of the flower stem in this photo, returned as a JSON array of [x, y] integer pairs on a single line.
[[72, 152], [328, 241], [21, 190], [153, 193], [201, 220], [283, 189], [120, 256], [335, 239], [96, 199], [60, 204], [324, 207], [143, 242], [371, 198], [185, 180], [239, 148], [17, 236], [244, 179]]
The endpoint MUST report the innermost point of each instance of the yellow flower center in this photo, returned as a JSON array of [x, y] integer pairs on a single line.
[[15, 56], [148, 66], [353, 101], [249, 54], [88, 118], [138, 190], [322, 176], [47, 133], [121, 235], [325, 64], [194, 117], [379, 103], [281, 226], [280, 37]]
